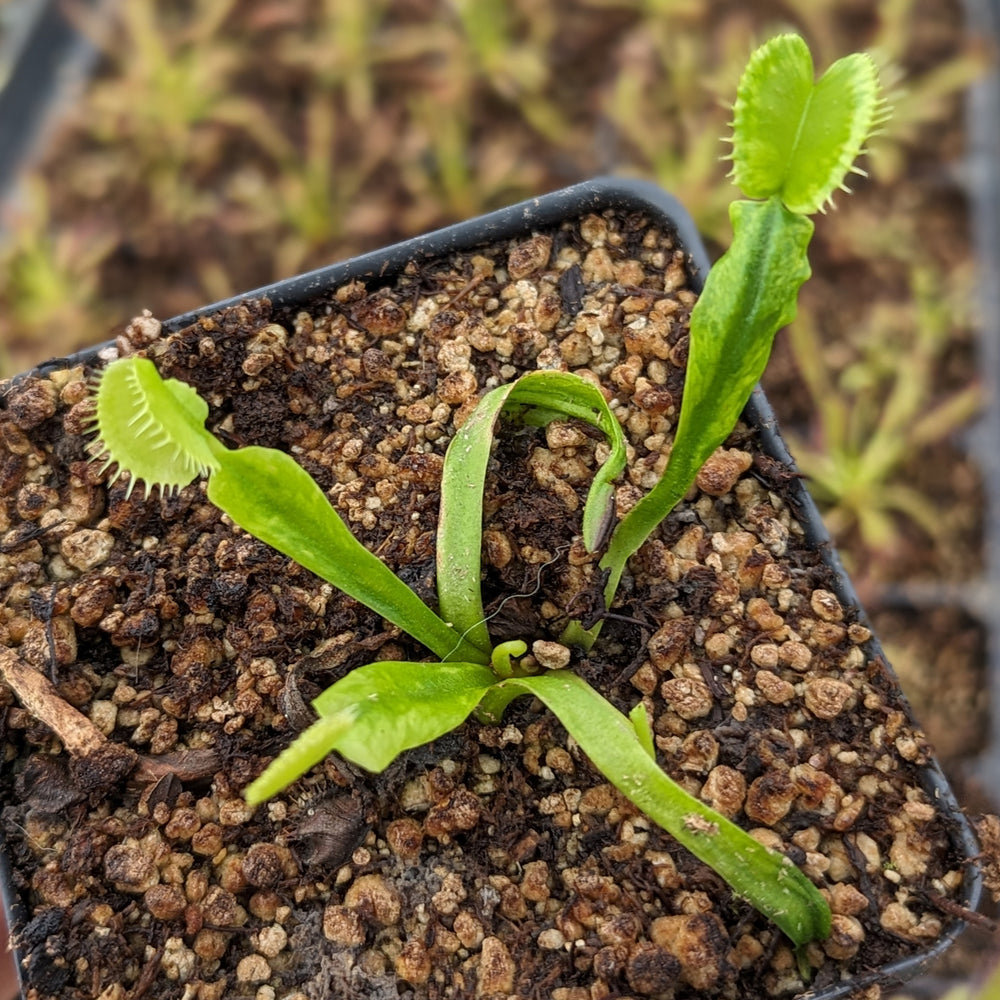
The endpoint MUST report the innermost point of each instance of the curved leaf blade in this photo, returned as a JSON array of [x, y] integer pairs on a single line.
[[568, 395], [375, 713], [766, 879], [398, 705], [460, 525]]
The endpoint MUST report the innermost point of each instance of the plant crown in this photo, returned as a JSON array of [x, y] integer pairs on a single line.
[[793, 142]]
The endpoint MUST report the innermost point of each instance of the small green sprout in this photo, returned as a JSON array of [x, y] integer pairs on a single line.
[[794, 142]]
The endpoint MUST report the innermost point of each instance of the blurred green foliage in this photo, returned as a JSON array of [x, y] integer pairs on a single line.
[[881, 410]]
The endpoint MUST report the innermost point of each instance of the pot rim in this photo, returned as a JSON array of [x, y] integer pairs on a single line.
[[521, 219]]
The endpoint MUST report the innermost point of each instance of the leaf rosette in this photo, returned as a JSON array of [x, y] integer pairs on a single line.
[[795, 140]]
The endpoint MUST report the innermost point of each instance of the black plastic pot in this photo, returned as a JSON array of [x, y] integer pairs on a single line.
[[289, 296]]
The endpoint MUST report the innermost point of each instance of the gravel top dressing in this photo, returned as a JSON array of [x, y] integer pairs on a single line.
[[495, 862]]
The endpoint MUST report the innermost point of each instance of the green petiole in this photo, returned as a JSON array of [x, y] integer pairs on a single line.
[[263, 490], [621, 750]]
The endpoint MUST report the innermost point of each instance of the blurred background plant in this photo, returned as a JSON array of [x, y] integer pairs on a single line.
[[987, 989], [224, 144], [50, 275], [877, 410]]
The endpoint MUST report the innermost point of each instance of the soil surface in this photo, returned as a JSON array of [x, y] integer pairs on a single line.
[[494, 862]]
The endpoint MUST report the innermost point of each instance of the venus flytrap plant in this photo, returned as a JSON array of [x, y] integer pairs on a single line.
[[794, 142], [155, 430]]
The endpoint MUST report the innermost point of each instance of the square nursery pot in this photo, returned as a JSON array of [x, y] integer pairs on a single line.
[[494, 862]]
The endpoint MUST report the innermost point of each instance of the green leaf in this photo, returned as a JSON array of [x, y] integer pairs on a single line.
[[154, 429], [402, 705], [796, 138], [268, 494], [563, 394], [503, 653], [766, 879], [643, 730], [460, 527], [375, 713], [306, 750], [460, 520], [749, 294]]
